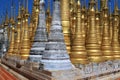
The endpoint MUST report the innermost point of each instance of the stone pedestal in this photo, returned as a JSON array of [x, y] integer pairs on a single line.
[[73, 74]]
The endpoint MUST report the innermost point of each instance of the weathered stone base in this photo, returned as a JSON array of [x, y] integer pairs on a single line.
[[73, 74], [55, 65], [32, 72]]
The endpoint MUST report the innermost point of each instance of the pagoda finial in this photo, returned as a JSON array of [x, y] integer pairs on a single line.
[[19, 12], [110, 7], [106, 4], [26, 5], [97, 5], [78, 3], [116, 7], [12, 9], [48, 9], [6, 19], [14, 14]]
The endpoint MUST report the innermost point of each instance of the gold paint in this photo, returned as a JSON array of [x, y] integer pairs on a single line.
[[65, 14], [31, 32], [36, 13], [48, 20], [11, 47], [92, 46], [106, 45], [78, 51], [25, 46], [115, 42], [83, 22], [18, 38], [72, 20], [98, 28]]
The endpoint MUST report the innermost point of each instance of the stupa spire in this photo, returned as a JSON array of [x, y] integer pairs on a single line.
[[18, 38], [78, 51], [6, 32], [25, 46], [65, 16], [110, 20], [12, 32], [92, 46], [12, 14], [115, 42], [97, 21], [40, 38], [55, 56], [49, 18], [72, 19], [106, 45], [36, 13], [12, 41]]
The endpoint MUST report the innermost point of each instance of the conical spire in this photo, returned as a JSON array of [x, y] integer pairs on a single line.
[[6, 32], [22, 20], [110, 21], [92, 45], [106, 4], [55, 57], [97, 6], [102, 4], [106, 45], [40, 38], [26, 9], [78, 52], [49, 18], [6, 19], [25, 46], [65, 16], [83, 17], [26, 6], [48, 8], [71, 3], [12, 33], [19, 11], [97, 21], [72, 19], [18, 38], [12, 41], [116, 8], [115, 42], [36, 14], [26, 16], [12, 14]]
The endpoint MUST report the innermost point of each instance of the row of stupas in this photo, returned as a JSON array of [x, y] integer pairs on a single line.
[[33, 43], [91, 36], [94, 38]]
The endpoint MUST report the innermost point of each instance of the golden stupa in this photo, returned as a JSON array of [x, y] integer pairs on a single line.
[[92, 46]]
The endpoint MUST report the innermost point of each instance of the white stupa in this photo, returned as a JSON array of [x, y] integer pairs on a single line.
[[55, 56], [40, 38]]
